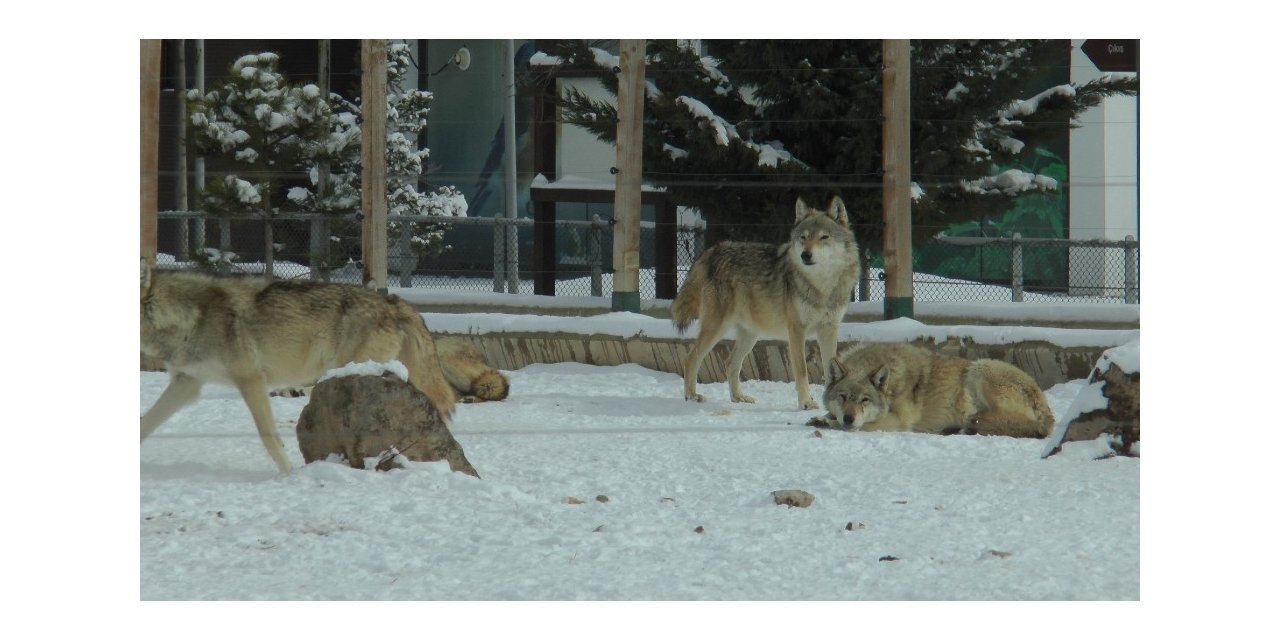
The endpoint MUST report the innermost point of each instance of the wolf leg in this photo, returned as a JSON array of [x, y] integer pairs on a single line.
[[182, 391], [799, 368], [742, 346], [827, 348], [254, 392], [709, 332], [1005, 422]]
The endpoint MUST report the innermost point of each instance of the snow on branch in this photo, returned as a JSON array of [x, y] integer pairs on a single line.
[[1011, 182]]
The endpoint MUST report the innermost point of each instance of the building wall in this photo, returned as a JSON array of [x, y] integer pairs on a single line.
[[1104, 178]]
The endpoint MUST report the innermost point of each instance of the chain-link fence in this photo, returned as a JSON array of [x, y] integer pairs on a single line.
[[488, 254]]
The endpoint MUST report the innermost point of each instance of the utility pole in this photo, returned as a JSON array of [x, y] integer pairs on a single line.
[[511, 239], [626, 195], [149, 79], [896, 154], [373, 158]]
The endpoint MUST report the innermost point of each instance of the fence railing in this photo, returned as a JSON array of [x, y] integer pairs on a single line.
[[482, 255]]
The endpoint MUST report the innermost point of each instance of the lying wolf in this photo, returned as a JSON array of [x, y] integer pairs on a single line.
[[259, 335], [468, 373], [792, 291], [901, 387]]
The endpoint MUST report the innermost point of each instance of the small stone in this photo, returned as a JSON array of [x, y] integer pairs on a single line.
[[793, 498]]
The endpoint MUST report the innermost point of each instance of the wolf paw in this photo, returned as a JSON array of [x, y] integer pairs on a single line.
[[742, 397], [808, 405], [819, 421], [697, 397]]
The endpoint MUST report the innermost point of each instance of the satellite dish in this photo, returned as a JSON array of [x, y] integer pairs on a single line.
[[462, 59]]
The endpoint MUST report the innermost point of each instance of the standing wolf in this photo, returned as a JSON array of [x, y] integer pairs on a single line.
[[902, 387], [791, 291], [259, 335]]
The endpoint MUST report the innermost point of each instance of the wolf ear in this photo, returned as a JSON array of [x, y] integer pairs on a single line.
[[802, 211], [878, 378], [836, 370], [837, 212]]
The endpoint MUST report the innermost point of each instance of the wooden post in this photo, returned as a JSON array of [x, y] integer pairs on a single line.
[[320, 226], [373, 157], [149, 79], [199, 223], [626, 198], [181, 202], [896, 153]]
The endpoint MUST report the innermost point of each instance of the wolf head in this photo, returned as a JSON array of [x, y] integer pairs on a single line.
[[853, 399], [822, 237]]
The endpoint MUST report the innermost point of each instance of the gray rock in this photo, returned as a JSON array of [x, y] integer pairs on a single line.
[[360, 417]]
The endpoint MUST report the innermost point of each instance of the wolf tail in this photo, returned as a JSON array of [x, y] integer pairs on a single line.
[[491, 386], [685, 308], [1044, 415], [418, 353]]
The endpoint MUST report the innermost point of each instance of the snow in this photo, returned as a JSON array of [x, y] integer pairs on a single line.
[[368, 368], [963, 517]]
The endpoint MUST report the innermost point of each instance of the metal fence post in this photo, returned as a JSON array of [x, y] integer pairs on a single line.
[[597, 230], [1015, 266], [269, 256], [1130, 270], [499, 256], [406, 260], [512, 255]]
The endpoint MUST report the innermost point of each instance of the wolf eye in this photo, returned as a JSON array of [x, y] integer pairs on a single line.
[[865, 401], [824, 237]]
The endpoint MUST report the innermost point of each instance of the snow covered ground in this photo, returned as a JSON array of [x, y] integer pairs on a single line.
[[676, 505]]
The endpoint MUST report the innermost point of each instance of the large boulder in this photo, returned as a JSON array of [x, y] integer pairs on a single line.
[[1108, 404], [360, 417]]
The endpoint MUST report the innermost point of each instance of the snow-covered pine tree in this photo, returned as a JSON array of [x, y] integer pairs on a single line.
[[745, 129], [263, 130], [256, 129], [407, 111]]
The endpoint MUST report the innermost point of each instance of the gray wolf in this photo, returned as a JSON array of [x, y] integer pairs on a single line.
[[258, 335], [468, 373], [902, 387], [792, 291]]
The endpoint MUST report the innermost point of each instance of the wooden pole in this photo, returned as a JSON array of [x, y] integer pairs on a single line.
[[320, 226], [199, 223], [896, 153], [149, 79], [181, 201], [626, 196], [373, 155]]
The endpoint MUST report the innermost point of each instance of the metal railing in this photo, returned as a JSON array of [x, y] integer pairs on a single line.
[[481, 256]]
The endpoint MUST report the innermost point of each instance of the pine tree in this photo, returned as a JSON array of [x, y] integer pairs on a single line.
[[269, 136], [743, 131]]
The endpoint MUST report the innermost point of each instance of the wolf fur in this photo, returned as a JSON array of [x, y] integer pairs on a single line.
[[902, 387], [468, 373], [258, 335], [792, 291]]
